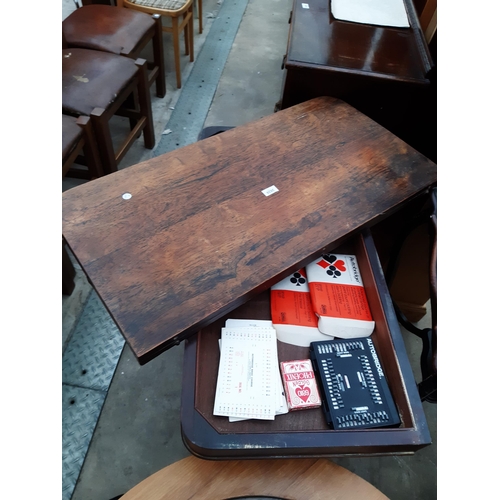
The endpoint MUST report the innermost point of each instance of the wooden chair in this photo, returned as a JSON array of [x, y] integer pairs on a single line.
[[173, 9], [98, 84], [77, 138], [300, 479], [118, 31]]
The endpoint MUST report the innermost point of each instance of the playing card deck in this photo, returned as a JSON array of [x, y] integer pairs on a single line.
[[292, 313], [338, 297], [300, 384]]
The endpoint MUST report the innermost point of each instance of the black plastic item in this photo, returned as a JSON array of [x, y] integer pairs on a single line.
[[354, 390], [210, 131]]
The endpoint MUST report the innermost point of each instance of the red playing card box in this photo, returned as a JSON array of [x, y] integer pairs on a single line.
[[300, 384]]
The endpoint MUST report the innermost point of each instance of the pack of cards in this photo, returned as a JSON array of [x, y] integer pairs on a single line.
[[300, 384], [338, 297], [292, 313]]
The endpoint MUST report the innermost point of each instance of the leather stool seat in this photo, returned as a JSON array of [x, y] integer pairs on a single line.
[[92, 79], [106, 28]]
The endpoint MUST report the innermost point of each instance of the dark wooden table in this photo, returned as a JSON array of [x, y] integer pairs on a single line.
[[197, 237], [384, 72]]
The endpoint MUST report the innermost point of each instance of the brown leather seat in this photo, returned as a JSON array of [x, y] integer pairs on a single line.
[[97, 84], [118, 31], [93, 79]]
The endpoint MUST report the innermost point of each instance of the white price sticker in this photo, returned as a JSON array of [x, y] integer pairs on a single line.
[[270, 190], [305, 5]]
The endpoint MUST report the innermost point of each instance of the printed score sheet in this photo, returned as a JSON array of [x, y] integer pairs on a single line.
[[249, 383]]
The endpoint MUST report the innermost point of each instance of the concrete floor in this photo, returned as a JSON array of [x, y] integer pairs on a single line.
[[138, 431]]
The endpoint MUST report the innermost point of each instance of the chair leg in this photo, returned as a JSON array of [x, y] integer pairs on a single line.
[[177, 56], [159, 58], [186, 34], [191, 35], [100, 123], [90, 148], [200, 16], [145, 103]]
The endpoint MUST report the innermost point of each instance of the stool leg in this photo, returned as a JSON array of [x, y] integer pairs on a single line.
[[145, 103], [100, 124], [90, 148], [158, 57], [177, 56]]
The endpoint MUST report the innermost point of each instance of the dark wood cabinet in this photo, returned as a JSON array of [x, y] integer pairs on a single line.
[[386, 73]]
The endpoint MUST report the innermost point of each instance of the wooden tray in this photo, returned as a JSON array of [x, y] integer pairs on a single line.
[[303, 433]]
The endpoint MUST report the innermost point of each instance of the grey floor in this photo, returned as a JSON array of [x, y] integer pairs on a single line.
[[137, 430]]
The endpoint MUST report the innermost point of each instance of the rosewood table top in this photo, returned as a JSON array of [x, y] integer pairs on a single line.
[[178, 241]]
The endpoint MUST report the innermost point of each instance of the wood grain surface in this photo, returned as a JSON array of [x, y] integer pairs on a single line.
[[198, 238], [318, 39], [307, 479]]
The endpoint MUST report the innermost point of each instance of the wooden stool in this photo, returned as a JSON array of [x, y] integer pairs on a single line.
[[297, 479], [173, 9], [118, 31], [97, 84], [78, 137]]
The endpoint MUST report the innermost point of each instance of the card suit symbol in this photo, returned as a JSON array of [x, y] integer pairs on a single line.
[[340, 265], [333, 272], [297, 279], [329, 257], [303, 392], [322, 263]]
